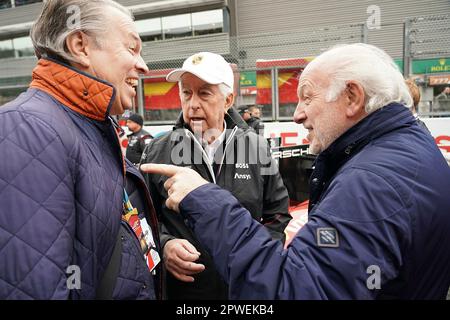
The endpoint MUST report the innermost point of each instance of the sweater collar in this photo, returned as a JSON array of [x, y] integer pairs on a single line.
[[81, 92]]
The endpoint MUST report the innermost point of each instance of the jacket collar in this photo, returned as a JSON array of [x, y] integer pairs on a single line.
[[81, 92], [386, 119], [378, 123]]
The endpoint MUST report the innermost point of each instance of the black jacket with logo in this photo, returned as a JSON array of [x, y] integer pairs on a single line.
[[136, 145], [256, 183]]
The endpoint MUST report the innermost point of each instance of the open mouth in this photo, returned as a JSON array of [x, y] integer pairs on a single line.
[[132, 82], [196, 124]]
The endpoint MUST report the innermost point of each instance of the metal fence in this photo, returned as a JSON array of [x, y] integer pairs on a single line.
[[261, 60], [428, 37], [416, 38], [271, 84], [246, 50]]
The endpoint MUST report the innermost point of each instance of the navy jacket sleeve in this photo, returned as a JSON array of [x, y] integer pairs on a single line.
[[37, 209], [371, 231]]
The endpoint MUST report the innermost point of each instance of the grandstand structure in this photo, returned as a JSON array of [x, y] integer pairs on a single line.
[[415, 33]]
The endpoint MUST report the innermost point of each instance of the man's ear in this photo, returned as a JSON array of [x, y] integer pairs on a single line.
[[356, 98], [229, 101], [79, 45]]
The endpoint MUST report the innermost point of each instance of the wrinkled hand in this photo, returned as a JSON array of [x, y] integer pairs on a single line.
[[180, 183], [179, 257]]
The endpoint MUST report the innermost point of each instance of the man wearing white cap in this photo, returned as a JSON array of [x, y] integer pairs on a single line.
[[211, 138]]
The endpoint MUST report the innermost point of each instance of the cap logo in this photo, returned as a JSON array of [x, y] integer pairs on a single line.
[[197, 59]]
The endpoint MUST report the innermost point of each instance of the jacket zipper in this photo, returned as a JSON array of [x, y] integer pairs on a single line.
[[205, 156], [155, 228], [117, 141], [152, 214], [233, 133]]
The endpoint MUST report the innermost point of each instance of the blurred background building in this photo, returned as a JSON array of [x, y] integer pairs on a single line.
[[268, 41]]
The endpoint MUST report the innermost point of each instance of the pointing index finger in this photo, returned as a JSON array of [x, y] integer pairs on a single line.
[[167, 170]]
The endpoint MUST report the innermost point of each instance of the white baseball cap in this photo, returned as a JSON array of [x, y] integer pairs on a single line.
[[210, 67]]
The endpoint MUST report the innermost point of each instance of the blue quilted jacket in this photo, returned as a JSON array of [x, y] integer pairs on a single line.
[[62, 177], [378, 228]]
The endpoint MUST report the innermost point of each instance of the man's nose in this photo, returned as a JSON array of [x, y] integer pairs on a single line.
[[141, 65], [194, 102], [299, 114]]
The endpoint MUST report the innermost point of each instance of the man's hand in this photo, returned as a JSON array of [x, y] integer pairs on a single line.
[[179, 256], [180, 183]]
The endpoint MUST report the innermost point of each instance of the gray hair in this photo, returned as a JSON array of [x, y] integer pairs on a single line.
[[368, 65], [61, 18]]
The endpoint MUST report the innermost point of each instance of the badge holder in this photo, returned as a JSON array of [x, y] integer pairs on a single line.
[[142, 231]]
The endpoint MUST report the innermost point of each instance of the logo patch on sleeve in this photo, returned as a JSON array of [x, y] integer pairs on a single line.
[[327, 237]]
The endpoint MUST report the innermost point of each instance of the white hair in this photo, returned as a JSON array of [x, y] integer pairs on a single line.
[[368, 65], [61, 18], [225, 90]]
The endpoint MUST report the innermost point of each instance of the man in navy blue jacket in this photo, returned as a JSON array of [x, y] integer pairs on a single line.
[[379, 213]]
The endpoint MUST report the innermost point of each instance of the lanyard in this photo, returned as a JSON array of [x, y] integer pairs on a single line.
[[142, 231]]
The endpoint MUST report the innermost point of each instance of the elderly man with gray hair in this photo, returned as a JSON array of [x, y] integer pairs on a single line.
[[76, 221], [211, 138], [379, 207]]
